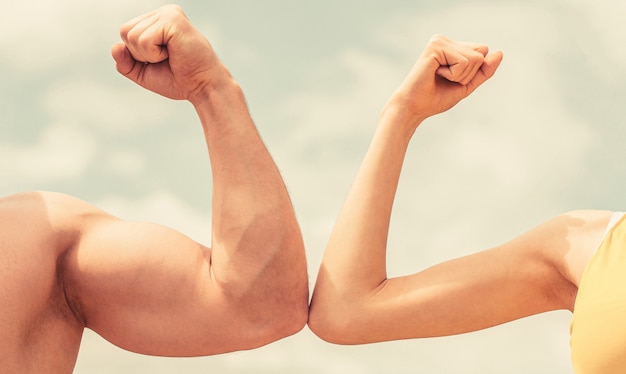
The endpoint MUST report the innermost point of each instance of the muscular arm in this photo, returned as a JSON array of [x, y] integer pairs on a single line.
[[354, 301], [152, 290]]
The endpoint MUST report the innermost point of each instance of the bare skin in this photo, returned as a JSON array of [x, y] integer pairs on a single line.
[[354, 302], [66, 265]]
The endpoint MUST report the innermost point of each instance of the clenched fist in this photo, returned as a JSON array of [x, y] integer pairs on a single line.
[[163, 52], [445, 73]]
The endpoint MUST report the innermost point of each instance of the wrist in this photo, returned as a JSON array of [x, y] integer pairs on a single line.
[[398, 114], [219, 81], [222, 108]]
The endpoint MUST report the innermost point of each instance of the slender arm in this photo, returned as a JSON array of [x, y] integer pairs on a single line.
[[355, 302]]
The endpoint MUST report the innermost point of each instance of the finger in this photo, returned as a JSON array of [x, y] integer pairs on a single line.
[[124, 61], [144, 39], [154, 44], [126, 64], [460, 65], [480, 48], [492, 62], [487, 70]]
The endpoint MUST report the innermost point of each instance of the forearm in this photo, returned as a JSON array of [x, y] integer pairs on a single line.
[[257, 244], [246, 182], [355, 255]]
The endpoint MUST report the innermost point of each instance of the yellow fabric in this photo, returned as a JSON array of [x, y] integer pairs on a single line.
[[598, 326]]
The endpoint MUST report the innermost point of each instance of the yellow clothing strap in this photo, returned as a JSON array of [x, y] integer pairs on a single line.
[[598, 326]]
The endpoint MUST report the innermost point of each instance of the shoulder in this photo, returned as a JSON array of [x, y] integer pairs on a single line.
[[37, 230], [56, 218], [549, 258], [52, 204], [582, 233], [566, 243]]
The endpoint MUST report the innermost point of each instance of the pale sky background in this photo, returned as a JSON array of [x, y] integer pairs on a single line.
[[543, 137]]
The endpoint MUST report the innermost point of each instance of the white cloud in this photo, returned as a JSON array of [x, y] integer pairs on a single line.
[[334, 113], [125, 162], [112, 108], [496, 24], [231, 49], [604, 32], [62, 152]]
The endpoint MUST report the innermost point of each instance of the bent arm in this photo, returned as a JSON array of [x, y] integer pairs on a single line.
[[354, 301], [152, 290], [168, 295]]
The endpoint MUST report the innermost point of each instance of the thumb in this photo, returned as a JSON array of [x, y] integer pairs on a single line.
[[491, 64], [124, 61], [486, 71]]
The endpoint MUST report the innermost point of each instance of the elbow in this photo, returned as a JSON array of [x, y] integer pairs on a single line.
[[341, 312], [287, 290], [276, 301], [335, 321], [264, 279], [286, 311], [322, 324], [275, 322], [290, 319]]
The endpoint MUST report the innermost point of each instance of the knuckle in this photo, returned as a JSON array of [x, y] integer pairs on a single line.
[[438, 41], [174, 11], [174, 8], [438, 38], [144, 42], [125, 30], [463, 62], [175, 16], [133, 36], [476, 58]]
